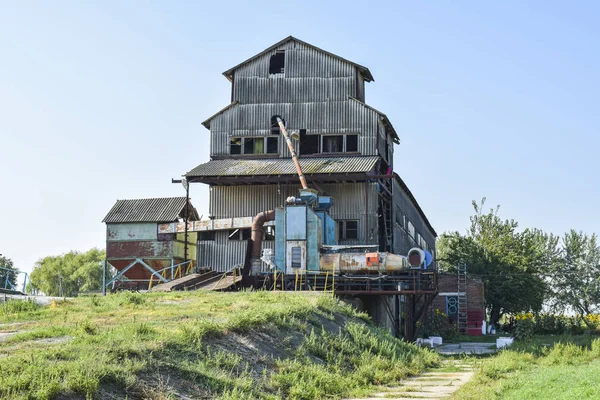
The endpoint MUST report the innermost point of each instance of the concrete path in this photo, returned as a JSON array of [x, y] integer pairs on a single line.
[[41, 300], [431, 385], [467, 348]]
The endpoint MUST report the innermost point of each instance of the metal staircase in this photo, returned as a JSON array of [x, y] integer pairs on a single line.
[[462, 297]]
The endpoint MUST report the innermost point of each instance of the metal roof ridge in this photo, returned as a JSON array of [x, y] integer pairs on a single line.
[[368, 76]]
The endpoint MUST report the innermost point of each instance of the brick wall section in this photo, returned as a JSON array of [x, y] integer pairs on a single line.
[[448, 283]]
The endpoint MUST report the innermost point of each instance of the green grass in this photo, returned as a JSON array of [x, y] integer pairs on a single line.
[[227, 345], [547, 367]]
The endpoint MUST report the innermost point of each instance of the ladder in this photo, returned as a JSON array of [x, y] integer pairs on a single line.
[[462, 297], [386, 204]]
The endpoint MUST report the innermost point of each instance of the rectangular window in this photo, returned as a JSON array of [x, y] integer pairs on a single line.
[[235, 146], [351, 143], [411, 229], [277, 63], [398, 216], [333, 144], [347, 229], [206, 235], [254, 145], [309, 144], [239, 234], [296, 257], [272, 145], [270, 233]]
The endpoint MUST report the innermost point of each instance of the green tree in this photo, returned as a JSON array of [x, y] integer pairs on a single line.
[[575, 281], [9, 271], [80, 272], [511, 263]]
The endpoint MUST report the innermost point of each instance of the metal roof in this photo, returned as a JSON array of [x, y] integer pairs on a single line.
[[166, 209], [284, 166], [365, 71]]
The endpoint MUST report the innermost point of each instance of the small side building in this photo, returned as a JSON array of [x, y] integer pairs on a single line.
[[136, 249], [447, 301]]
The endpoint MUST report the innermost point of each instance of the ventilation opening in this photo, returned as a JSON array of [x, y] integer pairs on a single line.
[[309, 144], [275, 130], [277, 63], [296, 257]]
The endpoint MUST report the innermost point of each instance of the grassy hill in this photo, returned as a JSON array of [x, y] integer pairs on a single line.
[[242, 345]]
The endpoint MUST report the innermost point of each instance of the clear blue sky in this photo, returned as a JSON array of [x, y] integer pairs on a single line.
[[103, 100]]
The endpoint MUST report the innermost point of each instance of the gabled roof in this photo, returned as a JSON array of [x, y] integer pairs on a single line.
[[364, 70], [283, 166], [167, 209]]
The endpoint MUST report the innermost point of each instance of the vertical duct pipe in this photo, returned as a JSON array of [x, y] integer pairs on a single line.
[[292, 151], [257, 232]]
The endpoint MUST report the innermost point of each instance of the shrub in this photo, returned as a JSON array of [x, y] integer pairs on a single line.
[[524, 326]]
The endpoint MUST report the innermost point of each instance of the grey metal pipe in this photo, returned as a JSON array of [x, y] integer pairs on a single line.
[[257, 232]]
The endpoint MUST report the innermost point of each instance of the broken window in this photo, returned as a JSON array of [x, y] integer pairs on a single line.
[[269, 232], [273, 145], [277, 63], [206, 235], [309, 144], [275, 129], [239, 234], [351, 143], [333, 144], [347, 229], [235, 146]]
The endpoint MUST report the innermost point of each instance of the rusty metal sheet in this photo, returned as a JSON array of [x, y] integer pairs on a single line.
[[139, 249], [210, 225]]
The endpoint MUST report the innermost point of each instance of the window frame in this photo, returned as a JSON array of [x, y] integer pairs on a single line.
[[242, 145], [343, 229]]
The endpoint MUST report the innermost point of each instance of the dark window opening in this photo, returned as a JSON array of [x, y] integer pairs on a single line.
[[275, 129], [351, 143], [239, 234], [206, 235], [235, 146], [347, 229], [296, 257], [272, 145], [166, 237], [270, 233], [254, 145], [309, 144], [333, 144], [277, 63]]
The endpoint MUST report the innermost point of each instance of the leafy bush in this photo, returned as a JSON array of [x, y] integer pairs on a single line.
[[524, 326]]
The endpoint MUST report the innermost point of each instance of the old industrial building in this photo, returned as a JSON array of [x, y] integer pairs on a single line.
[[349, 227], [345, 148]]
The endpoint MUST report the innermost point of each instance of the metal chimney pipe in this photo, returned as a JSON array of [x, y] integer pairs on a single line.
[[257, 232], [293, 152]]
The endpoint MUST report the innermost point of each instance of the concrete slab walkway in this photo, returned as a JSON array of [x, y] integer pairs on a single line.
[[434, 385]]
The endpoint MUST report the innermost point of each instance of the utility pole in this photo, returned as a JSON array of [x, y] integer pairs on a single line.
[[186, 185], [60, 291]]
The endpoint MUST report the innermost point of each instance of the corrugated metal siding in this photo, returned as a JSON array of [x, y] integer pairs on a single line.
[[402, 240], [222, 254], [350, 202], [264, 167], [334, 117], [146, 210]]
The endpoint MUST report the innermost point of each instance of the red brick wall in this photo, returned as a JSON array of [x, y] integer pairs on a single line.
[[448, 283]]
